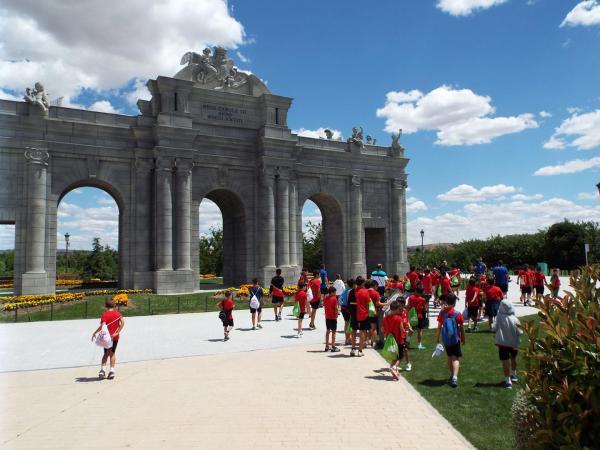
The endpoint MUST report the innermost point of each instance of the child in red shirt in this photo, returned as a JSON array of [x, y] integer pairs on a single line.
[[454, 275], [525, 280], [362, 315], [301, 298], [332, 311], [226, 315], [539, 280], [115, 323], [493, 297], [555, 282], [315, 288], [450, 328], [420, 304], [472, 300], [376, 299], [403, 311], [427, 283], [393, 323]]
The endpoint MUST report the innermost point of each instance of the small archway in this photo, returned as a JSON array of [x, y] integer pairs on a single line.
[[234, 235], [89, 219], [7, 257], [332, 232]]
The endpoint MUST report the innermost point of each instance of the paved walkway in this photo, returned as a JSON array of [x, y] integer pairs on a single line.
[[288, 398]]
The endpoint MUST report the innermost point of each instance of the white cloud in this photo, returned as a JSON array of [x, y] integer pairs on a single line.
[[8, 96], [545, 114], [573, 109], [103, 106], [106, 201], [242, 57], [573, 166], [468, 193], [413, 204], [7, 237], [210, 216], [83, 224], [588, 195], [319, 133], [460, 116], [466, 7], [70, 45], [585, 13], [525, 198], [480, 221], [586, 128], [139, 92]]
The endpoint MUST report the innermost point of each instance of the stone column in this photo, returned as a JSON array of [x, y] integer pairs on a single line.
[[164, 214], [266, 222], [36, 209], [403, 236], [183, 190], [399, 224], [356, 225], [283, 223], [293, 230]]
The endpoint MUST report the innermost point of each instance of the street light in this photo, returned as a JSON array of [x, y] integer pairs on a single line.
[[422, 236], [67, 236], [598, 186]]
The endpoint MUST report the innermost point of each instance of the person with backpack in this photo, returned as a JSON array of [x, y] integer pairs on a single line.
[[508, 340], [418, 302], [361, 322], [413, 278], [374, 317], [345, 308], [300, 298], [276, 291], [332, 311], [113, 320], [256, 303], [381, 278], [394, 324], [226, 315], [452, 333]]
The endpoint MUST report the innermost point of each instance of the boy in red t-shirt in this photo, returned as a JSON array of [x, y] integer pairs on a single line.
[[450, 328], [315, 288], [472, 301], [226, 306], [539, 280], [301, 298], [332, 311], [427, 283], [115, 323], [555, 282], [376, 299], [418, 302], [362, 315], [403, 311], [525, 281], [393, 323], [493, 297]]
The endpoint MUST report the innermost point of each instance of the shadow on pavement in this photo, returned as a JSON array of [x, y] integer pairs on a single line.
[[340, 355], [434, 383], [244, 329], [87, 379], [215, 340], [290, 336], [380, 377]]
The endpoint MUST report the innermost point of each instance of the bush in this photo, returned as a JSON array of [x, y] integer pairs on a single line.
[[522, 426], [562, 377]]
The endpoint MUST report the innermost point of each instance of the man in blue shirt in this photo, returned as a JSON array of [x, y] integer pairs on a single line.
[[501, 276], [379, 276], [324, 281], [479, 268]]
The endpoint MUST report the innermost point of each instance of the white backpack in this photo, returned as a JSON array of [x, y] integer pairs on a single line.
[[254, 302], [103, 338], [309, 293]]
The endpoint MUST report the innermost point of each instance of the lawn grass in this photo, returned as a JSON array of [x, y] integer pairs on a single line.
[[216, 280], [480, 408], [139, 305]]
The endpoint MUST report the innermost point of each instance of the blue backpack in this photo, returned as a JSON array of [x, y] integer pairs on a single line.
[[343, 300], [449, 329]]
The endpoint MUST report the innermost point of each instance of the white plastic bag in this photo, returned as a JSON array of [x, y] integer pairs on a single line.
[[439, 350], [103, 338], [309, 294], [254, 303]]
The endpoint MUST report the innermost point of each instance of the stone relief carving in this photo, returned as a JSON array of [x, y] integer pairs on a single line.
[[37, 156], [163, 164], [37, 96], [207, 68], [203, 64]]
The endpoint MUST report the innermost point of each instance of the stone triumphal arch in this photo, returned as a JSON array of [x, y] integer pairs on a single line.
[[213, 132]]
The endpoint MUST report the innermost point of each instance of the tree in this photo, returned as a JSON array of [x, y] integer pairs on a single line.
[[101, 262], [211, 252], [312, 249], [564, 245]]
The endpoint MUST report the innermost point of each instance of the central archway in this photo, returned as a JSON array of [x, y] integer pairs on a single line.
[[234, 235]]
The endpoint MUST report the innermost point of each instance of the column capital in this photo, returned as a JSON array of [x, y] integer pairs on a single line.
[[37, 156], [184, 166], [400, 184], [163, 164], [355, 181]]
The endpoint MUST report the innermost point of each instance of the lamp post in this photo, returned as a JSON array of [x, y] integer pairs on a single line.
[[598, 186], [67, 236], [422, 236]]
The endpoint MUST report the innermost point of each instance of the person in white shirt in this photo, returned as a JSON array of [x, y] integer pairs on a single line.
[[339, 286], [381, 278]]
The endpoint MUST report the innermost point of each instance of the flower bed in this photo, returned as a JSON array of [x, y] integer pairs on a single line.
[[120, 299], [244, 291]]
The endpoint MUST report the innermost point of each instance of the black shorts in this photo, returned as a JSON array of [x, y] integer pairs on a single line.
[[345, 314], [227, 322], [473, 312], [401, 350], [503, 287], [331, 324], [454, 350], [314, 305], [539, 290], [277, 300], [525, 290], [423, 323], [374, 320], [113, 349], [491, 308], [363, 325], [324, 288], [256, 310], [506, 353], [301, 315]]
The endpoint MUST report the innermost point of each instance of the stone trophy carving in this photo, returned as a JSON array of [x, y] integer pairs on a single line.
[[396, 146], [369, 140], [37, 96], [328, 133], [357, 137], [215, 70], [202, 64]]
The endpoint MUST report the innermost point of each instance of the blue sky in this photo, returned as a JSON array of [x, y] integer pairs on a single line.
[[498, 99]]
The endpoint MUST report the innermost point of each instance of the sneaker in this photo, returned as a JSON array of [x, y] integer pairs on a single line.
[[278, 316], [453, 382], [421, 346], [326, 348], [111, 375], [335, 349], [259, 326], [352, 352], [475, 330], [360, 353], [226, 337], [254, 328], [508, 385], [513, 378], [313, 327], [408, 367], [101, 374]]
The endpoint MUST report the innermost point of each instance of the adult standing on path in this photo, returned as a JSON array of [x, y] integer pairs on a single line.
[[324, 281], [479, 268], [501, 277], [276, 290], [256, 291], [379, 276]]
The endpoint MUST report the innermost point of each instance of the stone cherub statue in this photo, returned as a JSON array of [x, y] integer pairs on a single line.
[[203, 64], [396, 146], [37, 96], [357, 136], [328, 133]]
